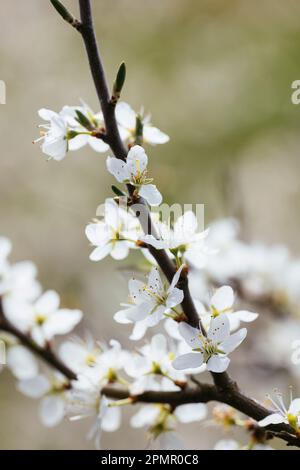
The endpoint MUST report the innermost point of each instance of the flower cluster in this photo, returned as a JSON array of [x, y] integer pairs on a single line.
[[26, 307], [76, 126], [210, 261]]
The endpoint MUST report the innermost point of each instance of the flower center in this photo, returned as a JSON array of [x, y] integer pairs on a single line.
[[40, 319], [293, 421], [209, 349], [90, 360]]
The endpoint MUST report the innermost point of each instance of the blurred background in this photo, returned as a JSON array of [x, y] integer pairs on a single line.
[[216, 76]]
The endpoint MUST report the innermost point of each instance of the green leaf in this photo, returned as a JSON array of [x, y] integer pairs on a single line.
[[61, 9], [121, 75], [84, 121], [119, 83]]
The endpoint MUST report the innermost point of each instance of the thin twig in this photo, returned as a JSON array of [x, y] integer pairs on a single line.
[[114, 140]]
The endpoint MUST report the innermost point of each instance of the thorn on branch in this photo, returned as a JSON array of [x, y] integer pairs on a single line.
[[66, 15]]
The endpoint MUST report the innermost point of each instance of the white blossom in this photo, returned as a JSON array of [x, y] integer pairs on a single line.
[[153, 361], [222, 301], [134, 172], [161, 421], [126, 118], [113, 235], [84, 137], [84, 400], [21, 362], [213, 349], [101, 367], [183, 239], [51, 390], [43, 319], [80, 355], [282, 414], [152, 300], [54, 135]]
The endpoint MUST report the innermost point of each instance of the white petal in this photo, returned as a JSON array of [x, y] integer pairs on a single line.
[[246, 316], [139, 312], [97, 144], [22, 362], [190, 335], [78, 142], [20, 314], [46, 114], [130, 314], [145, 416], [223, 298], [121, 317], [274, 418], [125, 115], [38, 335], [136, 289], [156, 316], [176, 277], [170, 441], [152, 135], [5, 248], [73, 354], [174, 298], [219, 329], [186, 225], [117, 168], [125, 134], [112, 215], [100, 252], [151, 194], [218, 364], [34, 388], [154, 281], [171, 328], [98, 234], [188, 361], [158, 347], [52, 410], [62, 322], [233, 341], [111, 419], [294, 408], [47, 303], [120, 250], [191, 412], [55, 148], [158, 244], [137, 159], [139, 330]]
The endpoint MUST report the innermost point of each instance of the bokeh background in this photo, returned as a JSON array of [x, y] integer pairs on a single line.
[[216, 76]]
